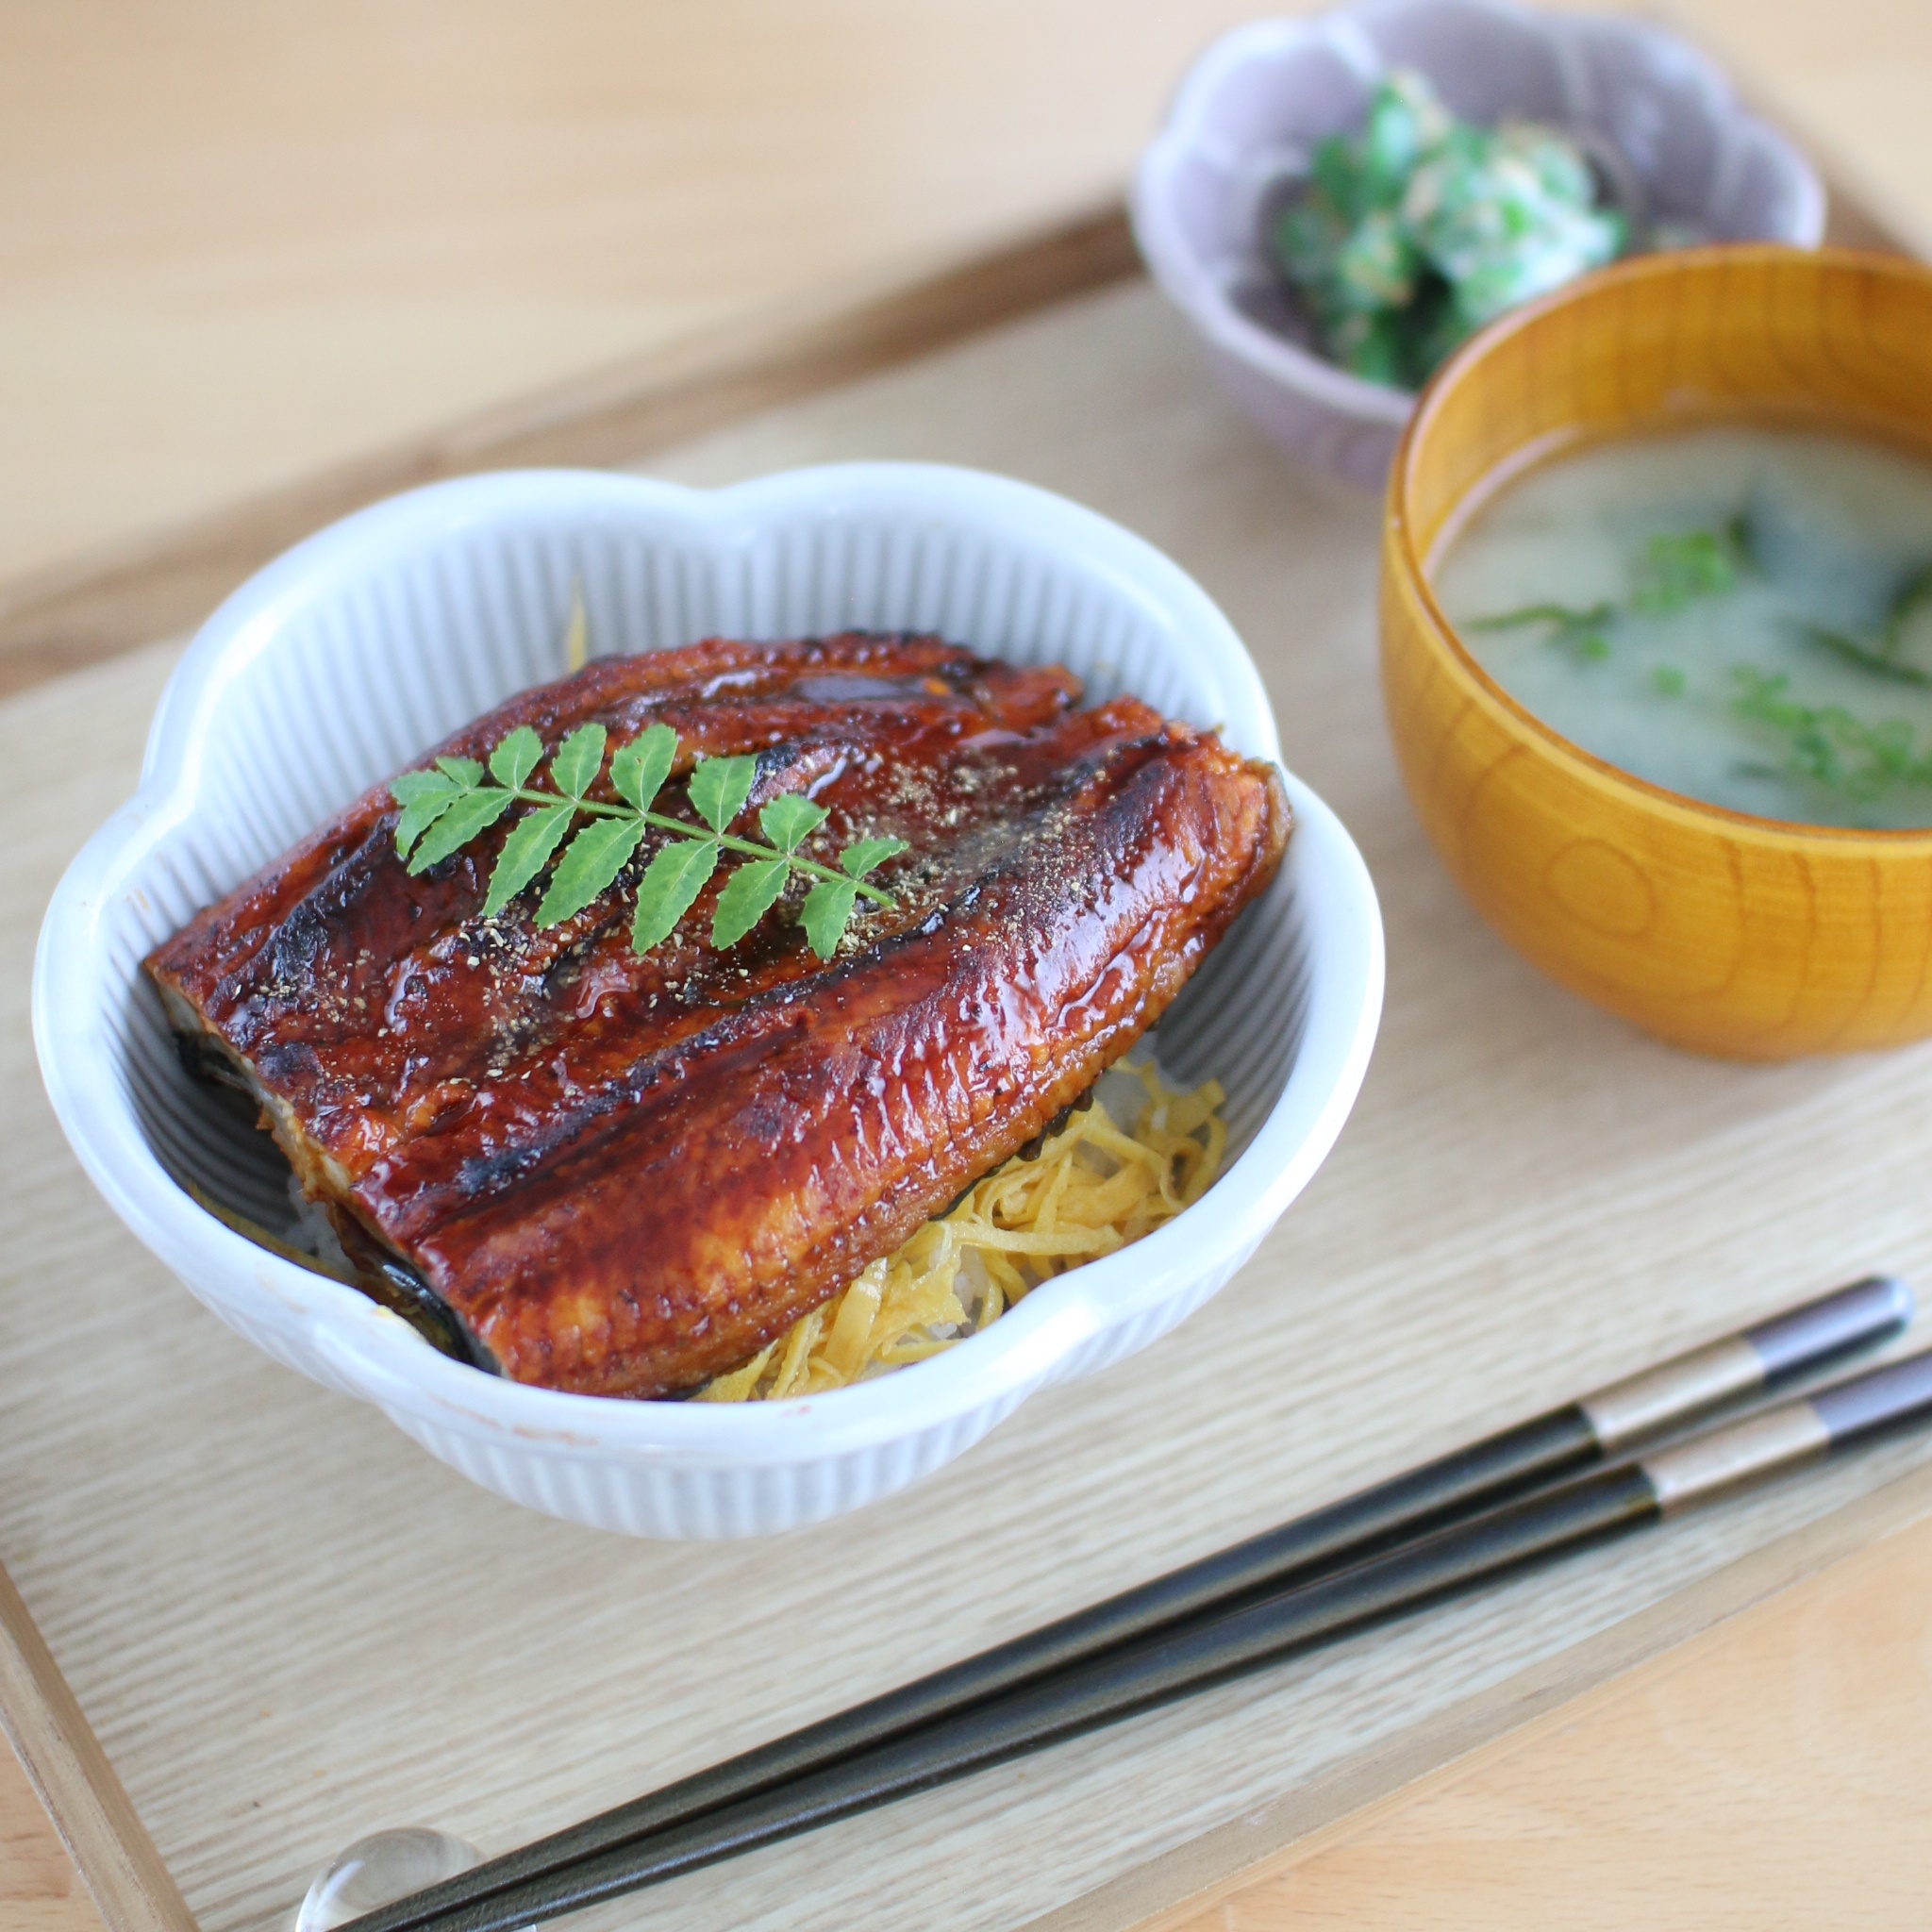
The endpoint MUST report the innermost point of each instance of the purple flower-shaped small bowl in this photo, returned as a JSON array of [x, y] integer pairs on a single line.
[[1656, 116]]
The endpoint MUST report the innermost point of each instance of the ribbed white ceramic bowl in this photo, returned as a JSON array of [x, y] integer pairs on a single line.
[[338, 664], [1662, 119]]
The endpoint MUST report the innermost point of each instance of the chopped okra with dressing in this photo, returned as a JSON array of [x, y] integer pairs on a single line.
[[1410, 235]]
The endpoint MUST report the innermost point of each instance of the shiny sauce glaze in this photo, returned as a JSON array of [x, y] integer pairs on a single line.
[[625, 1174]]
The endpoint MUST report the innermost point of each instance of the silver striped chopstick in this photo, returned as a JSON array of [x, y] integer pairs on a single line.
[[1135, 1678], [1390, 1517], [1586, 1509]]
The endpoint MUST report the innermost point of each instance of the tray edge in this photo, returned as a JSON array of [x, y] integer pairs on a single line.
[[77, 1785], [1169, 1892], [114, 602]]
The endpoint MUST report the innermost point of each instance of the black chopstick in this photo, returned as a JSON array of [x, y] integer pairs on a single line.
[[1549, 1446], [1156, 1669]]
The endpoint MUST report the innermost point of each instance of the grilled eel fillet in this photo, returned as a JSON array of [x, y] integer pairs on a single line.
[[625, 1175]]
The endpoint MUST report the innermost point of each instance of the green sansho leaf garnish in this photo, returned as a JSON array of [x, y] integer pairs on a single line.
[[589, 867], [747, 897], [467, 814], [719, 788], [669, 888], [516, 758], [579, 760], [640, 768], [829, 902], [425, 796], [787, 821], [443, 809], [525, 853], [868, 855]]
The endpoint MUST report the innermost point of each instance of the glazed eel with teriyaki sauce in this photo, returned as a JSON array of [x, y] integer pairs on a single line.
[[624, 1175]]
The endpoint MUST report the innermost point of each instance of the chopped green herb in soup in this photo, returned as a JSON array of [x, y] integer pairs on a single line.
[[1741, 615]]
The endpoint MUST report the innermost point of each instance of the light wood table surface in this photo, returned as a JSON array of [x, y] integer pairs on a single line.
[[244, 244]]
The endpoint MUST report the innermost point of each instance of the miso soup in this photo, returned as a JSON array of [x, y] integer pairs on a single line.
[[1743, 615]]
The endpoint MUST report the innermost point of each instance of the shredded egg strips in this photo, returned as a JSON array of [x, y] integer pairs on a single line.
[[1092, 1188]]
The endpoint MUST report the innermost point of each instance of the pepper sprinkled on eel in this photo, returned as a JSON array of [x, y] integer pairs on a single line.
[[624, 1174]]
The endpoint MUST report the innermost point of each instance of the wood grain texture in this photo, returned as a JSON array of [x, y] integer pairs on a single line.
[[58, 620], [70, 1774], [1239, 1869], [786, 306], [41, 1891], [290, 1626], [245, 245], [255, 244], [1798, 1725], [1721, 933]]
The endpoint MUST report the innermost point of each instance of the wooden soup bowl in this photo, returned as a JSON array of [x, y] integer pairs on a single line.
[[1751, 937]]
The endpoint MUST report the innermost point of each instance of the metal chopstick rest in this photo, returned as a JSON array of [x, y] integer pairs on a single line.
[[1557, 1443]]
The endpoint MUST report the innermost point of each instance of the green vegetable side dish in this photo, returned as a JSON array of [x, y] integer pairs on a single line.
[[445, 807], [1417, 231], [1741, 615]]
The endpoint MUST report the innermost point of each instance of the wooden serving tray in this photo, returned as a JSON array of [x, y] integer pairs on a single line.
[[287, 1626]]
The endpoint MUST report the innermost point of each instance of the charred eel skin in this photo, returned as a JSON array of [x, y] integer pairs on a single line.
[[625, 1175]]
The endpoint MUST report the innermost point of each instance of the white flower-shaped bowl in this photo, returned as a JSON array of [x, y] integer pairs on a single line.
[[339, 663], [1657, 115]]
